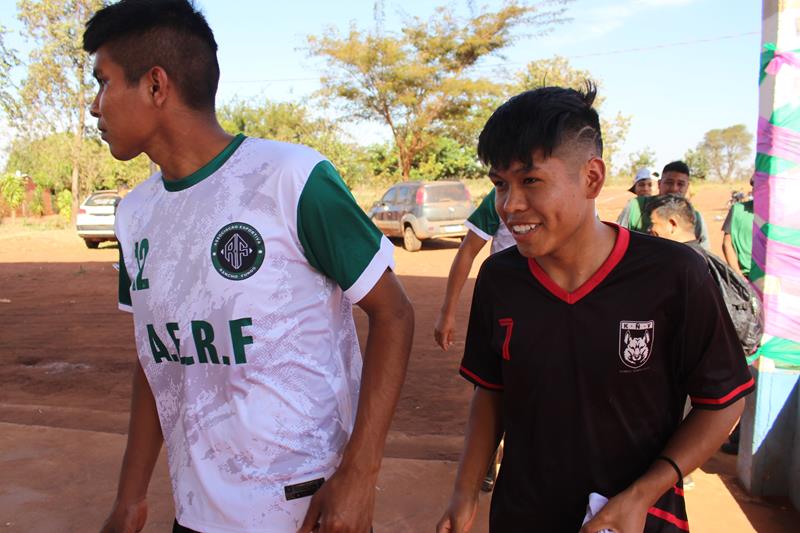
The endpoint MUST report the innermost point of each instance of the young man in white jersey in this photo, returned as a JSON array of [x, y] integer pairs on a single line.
[[239, 261]]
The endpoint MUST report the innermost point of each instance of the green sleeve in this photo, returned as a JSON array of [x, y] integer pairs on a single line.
[[337, 237], [124, 291], [485, 216]]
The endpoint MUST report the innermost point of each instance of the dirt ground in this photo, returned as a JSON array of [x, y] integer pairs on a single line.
[[66, 356]]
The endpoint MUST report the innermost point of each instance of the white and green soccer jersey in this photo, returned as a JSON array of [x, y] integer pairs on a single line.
[[485, 223], [241, 278]]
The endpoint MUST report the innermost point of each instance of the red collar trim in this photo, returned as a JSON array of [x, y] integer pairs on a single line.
[[613, 259]]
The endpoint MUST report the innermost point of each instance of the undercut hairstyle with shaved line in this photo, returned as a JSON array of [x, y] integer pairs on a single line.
[[672, 206], [550, 119], [171, 34]]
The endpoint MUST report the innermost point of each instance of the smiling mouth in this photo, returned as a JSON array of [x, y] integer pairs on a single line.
[[523, 229]]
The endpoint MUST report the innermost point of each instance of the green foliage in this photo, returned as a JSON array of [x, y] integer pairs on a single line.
[[64, 204], [13, 191], [420, 83], [644, 158], [36, 204], [447, 159], [49, 162], [8, 60], [698, 164], [725, 150], [292, 122]]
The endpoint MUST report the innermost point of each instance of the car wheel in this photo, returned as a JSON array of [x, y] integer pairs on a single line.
[[410, 240], [91, 244]]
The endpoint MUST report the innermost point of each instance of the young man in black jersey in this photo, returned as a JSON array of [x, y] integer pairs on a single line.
[[583, 346]]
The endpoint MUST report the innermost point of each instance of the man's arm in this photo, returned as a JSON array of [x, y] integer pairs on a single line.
[[697, 438], [444, 329], [730, 253], [141, 453], [345, 502], [484, 429]]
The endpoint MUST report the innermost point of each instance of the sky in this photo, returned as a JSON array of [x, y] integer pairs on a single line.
[[678, 67]]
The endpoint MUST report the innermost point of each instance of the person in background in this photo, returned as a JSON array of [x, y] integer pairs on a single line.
[[674, 180], [737, 240]]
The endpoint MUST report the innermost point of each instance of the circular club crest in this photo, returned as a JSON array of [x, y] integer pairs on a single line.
[[237, 251]]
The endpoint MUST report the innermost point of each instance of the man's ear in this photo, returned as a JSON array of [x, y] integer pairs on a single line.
[[674, 225], [158, 85], [594, 175]]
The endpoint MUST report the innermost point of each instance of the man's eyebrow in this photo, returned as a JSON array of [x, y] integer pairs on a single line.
[[521, 170]]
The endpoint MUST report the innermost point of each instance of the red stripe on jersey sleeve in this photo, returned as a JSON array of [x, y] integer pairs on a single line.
[[669, 517], [725, 399], [479, 381]]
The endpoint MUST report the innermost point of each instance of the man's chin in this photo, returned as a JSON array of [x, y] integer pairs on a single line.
[[122, 154]]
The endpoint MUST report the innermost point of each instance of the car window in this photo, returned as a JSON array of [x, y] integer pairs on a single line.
[[405, 195], [389, 197], [455, 192], [103, 200]]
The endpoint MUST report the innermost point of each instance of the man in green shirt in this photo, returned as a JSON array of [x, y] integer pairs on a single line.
[[737, 242]]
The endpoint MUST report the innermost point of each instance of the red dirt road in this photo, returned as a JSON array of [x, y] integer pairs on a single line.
[[66, 356]]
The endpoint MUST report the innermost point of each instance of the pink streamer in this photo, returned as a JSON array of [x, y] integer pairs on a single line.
[[781, 59], [777, 141], [767, 192]]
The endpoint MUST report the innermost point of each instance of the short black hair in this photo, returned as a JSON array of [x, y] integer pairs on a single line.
[[676, 166], [672, 206], [171, 34], [540, 119]]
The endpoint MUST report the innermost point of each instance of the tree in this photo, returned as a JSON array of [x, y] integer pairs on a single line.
[[13, 192], [558, 71], [422, 79], [698, 165], [8, 60], [292, 122], [58, 87], [47, 160], [725, 150], [644, 158]]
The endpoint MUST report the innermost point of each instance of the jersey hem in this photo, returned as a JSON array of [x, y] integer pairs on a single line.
[[477, 231], [477, 380], [202, 526], [383, 259], [125, 307], [721, 403]]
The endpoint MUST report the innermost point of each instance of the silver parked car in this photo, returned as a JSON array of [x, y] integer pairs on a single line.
[[95, 221], [419, 210]]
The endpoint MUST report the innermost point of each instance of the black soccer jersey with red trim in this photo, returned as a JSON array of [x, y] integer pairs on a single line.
[[594, 381]]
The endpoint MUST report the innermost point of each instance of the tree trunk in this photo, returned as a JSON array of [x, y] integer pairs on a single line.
[[76, 150]]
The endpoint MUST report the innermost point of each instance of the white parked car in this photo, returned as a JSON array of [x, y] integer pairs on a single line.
[[96, 218]]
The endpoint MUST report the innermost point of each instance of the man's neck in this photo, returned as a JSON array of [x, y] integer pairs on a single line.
[[575, 262], [187, 145]]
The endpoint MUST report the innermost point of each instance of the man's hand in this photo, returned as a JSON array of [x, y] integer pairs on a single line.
[[344, 504], [126, 518], [459, 516], [624, 513], [444, 330]]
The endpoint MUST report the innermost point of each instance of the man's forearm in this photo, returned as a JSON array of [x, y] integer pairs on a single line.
[[484, 429], [459, 270], [697, 438], [730, 254], [391, 329], [144, 441]]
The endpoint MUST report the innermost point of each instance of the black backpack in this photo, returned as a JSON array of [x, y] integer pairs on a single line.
[[743, 305]]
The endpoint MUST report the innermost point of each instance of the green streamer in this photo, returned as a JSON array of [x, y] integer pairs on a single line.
[[787, 116], [781, 234], [785, 353], [770, 164]]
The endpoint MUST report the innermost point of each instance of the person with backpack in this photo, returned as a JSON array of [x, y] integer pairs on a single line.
[[672, 217]]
